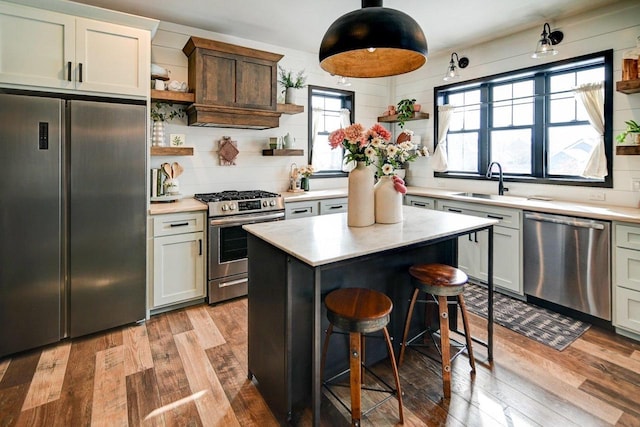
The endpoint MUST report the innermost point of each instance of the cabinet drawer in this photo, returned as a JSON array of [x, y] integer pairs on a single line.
[[628, 236], [628, 268], [164, 225], [507, 217], [420, 202], [628, 309], [330, 206], [301, 209]]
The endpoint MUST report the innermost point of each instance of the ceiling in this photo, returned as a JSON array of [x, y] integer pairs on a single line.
[[301, 24]]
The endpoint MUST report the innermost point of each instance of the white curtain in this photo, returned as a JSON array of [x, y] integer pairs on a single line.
[[591, 95], [439, 159], [316, 115]]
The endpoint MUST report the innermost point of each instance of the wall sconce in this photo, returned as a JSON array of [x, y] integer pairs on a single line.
[[548, 39], [452, 69], [373, 41]]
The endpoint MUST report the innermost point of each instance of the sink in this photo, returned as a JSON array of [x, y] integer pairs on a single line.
[[476, 195]]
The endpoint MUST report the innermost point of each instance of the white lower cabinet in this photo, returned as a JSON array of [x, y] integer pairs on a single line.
[[626, 277], [179, 253], [507, 245], [315, 207]]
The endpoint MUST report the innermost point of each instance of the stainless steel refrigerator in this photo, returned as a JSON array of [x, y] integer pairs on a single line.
[[72, 218]]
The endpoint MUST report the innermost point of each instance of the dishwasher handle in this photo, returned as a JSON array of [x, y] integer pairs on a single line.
[[574, 222]]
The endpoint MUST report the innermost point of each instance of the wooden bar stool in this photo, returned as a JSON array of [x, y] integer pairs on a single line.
[[359, 311], [441, 281]]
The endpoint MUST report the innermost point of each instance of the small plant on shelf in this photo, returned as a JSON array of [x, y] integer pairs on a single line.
[[287, 80], [405, 111], [632, 128]]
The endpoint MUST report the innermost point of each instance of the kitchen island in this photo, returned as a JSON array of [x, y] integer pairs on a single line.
[[294, 263]]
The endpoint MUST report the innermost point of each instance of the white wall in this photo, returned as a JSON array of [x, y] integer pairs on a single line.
[[614, 27], [202, 172]]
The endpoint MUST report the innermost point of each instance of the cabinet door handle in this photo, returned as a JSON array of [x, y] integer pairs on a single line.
[[80, 71], [454, 210], [179, 224], [421, 205], [495, 217], [299, 211], [336, 207], [475, 237], [200, 246], [69, 71]]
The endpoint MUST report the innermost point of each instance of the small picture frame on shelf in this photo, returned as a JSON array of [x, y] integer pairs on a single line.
[[177, 140]]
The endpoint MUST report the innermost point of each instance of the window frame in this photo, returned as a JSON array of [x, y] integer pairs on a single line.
[[347, 94], [539, 129]]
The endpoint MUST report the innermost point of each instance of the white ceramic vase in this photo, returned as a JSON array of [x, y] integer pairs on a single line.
[[157, 134], [388, 202], [290, 95], [360, 209]]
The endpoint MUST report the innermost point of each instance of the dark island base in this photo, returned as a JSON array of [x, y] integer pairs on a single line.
[[281, 314]]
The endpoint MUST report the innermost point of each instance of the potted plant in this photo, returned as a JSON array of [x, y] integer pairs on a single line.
[[405, 110], [162, 112], [632, 128], [290, 83]]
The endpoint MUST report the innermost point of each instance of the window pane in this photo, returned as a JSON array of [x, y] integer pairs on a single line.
[[502, 116], [593, 75], [502, 92], [462, 152], [523, 114], [562, 82], [569, 148], [472, 118], [562, 110], [512, 149], [523, 89]]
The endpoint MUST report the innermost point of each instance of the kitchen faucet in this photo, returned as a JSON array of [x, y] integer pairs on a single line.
[[501, 187]]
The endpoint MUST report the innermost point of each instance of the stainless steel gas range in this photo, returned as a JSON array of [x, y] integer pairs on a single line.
[[228, 212]]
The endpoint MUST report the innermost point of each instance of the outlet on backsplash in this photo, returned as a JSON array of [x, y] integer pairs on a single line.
[[635, 184], [597, 195]]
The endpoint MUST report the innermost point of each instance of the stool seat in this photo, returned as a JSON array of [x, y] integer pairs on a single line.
[[358, 309], [441, 281]]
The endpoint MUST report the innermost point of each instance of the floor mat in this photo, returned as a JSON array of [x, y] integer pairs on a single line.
[[545, 326]]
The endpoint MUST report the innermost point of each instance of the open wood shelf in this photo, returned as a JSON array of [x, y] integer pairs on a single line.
[[290, 109], [172, 151], [282, 152], [628, 86], [394, 118], [629, 150], [174, 97]]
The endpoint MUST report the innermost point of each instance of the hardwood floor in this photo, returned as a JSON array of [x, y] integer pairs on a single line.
[[189, 368]]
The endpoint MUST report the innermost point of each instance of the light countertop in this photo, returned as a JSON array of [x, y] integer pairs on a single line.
[[586, 210], [182, 205], [324, 239], [304, 196]]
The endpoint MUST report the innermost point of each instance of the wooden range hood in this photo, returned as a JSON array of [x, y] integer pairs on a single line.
[[234, 86]]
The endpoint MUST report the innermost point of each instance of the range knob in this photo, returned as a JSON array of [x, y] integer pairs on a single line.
[[232, 206], [225, 207], [272, 203], [265, 203]]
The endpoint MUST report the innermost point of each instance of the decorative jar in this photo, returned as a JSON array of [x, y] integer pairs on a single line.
[[388, 201], [157, 134], [361, 206]]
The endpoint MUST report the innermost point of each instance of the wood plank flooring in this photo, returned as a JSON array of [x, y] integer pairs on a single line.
[[189, 368]]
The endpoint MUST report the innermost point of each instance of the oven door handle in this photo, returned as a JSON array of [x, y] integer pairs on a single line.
[[243, 220]]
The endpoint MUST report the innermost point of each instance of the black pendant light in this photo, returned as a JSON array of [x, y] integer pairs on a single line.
[[374, 41]]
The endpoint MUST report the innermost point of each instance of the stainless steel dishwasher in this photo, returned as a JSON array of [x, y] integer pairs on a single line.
[[567, 261]]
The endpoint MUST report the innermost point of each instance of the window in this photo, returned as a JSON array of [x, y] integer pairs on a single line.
[[329, 109], [530, 122]]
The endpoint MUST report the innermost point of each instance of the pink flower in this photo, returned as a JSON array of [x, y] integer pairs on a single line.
[[380, 131], [336, 137]]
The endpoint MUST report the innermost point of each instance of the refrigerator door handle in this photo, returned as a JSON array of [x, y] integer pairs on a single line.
[[69, 71], [200, 246], [80, 72]]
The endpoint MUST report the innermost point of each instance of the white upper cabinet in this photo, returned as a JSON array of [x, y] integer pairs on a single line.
[[50, 50]]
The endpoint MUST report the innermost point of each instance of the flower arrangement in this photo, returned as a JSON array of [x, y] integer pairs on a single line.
[[393, 155], [359, 145], [306, 171]]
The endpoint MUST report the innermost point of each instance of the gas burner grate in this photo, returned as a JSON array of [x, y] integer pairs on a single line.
[[232, 195]]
